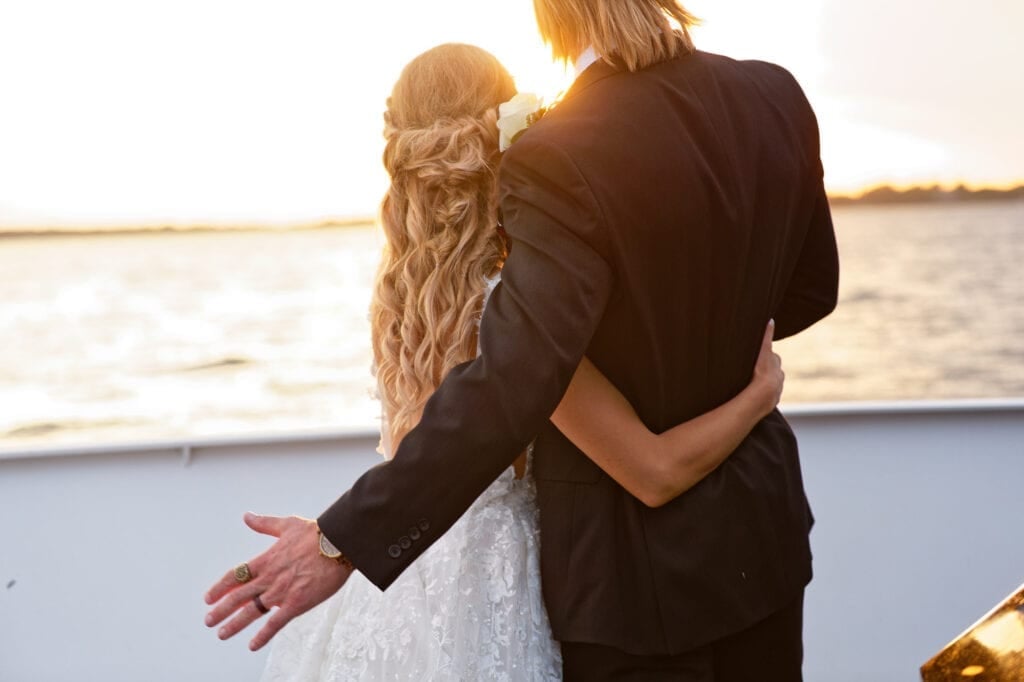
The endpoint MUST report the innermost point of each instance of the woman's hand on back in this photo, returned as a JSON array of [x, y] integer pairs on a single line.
[[768, 379]]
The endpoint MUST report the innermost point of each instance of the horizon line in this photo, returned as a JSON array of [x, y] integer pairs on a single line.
[[936, 186], [170, 227], [335, 222]]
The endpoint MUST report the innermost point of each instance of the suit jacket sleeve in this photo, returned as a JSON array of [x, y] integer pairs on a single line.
[[812, 291], [536, 328]]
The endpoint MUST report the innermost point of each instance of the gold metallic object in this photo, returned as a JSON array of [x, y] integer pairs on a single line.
[[329, 551], [242, 573], [992, 649]]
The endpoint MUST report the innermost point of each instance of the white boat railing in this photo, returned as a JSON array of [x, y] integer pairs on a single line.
[[105, 550], [185, 447]]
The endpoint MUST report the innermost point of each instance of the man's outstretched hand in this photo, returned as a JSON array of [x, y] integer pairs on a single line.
[[290, 578]]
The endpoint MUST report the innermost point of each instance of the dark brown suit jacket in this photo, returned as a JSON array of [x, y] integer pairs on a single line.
[[658, 220]]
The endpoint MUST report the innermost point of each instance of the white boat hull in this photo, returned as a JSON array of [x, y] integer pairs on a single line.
[[105, 552]]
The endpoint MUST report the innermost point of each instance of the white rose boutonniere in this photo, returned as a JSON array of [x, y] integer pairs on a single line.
[[516, 115]]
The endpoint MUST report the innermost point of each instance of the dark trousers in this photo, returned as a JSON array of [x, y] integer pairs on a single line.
[[769, 651]]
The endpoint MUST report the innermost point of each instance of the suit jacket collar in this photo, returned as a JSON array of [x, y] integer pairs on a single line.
[[597, 71], [600, 70]]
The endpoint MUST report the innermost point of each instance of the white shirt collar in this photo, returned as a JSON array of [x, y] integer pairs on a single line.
[[588, 57]]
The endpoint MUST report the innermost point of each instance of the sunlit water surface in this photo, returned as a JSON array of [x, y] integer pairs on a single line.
[[167, 335]]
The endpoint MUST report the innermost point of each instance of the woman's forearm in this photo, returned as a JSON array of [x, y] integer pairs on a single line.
[[692, 450], [599, 420]]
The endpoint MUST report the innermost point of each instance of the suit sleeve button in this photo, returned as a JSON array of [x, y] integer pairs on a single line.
[[424, 525], [414, 533], [404, 542], [394, 551]]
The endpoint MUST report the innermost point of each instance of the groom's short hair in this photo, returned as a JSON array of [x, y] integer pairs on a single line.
[[636, 32]]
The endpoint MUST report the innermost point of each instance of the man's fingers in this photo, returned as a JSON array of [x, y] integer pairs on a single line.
[[268, 525], [228, 581], [278, 619], [233, 601], [245, 616], [290, 576]]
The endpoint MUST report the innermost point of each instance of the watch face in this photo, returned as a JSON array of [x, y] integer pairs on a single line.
[[327, 548]]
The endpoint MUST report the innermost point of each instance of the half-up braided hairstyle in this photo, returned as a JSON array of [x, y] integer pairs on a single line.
[[439, 219]]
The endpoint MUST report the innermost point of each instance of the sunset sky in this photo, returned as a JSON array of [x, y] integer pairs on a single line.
[[118, 112]]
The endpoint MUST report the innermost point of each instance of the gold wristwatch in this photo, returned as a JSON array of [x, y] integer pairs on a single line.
[[328, 550]]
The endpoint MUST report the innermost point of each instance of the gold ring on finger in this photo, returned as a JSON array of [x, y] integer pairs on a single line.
[[242, 573]]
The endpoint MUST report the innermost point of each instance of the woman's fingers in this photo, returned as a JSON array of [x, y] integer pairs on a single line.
[[769, 335], [767, 359], [765, 354]]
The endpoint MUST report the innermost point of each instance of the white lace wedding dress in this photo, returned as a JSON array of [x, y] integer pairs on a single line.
[[469, 608]]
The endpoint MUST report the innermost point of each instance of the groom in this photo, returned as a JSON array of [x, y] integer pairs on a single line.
[[666, 209]]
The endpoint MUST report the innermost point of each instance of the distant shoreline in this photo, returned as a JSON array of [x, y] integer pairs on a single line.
[[332, 224], [884, 195], [887, 195]]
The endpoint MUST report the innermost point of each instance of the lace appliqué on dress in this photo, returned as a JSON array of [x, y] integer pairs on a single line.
[[469, 608]]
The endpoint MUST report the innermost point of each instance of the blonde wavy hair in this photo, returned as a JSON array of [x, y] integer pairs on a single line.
[[439, 219], [638, 32]]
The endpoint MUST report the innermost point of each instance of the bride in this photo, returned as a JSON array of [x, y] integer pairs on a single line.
[[470, 607]]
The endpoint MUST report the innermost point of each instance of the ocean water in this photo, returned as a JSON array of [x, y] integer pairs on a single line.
[[130, 336]]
